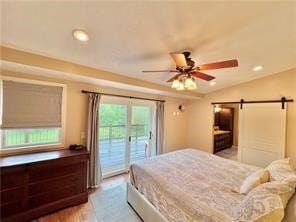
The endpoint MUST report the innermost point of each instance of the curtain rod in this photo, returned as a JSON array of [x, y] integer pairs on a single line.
[[130, 97], [283, 100]]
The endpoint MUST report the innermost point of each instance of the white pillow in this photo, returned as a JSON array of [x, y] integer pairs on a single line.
[[280, 170], [254, 180]]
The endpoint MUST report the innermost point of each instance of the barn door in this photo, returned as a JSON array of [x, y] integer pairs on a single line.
[[262, 129]]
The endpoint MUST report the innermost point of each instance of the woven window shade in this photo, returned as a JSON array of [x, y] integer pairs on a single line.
[[30, 105]]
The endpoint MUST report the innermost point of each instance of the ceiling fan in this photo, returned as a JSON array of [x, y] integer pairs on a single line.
[[187, 71]]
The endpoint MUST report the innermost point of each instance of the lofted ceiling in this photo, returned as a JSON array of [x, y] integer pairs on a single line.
[[127, 37]]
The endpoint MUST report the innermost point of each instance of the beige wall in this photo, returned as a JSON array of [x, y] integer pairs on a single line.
[[200, 112], [193, 128], [76, 115]]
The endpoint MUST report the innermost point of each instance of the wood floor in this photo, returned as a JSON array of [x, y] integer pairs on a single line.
[[84, 212]]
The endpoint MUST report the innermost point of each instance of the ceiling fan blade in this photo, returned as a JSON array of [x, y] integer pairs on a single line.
[[179, 59], [202, 75], [174, 77], [159, 71], [219, 65]]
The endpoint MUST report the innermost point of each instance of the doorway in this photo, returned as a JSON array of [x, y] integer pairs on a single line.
[[126, 133], [225, 131]]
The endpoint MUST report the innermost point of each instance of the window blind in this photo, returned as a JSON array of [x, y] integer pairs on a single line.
[[30, 105]]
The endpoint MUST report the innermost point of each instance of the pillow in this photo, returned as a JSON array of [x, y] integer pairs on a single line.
[[254, 180], [281, 188], [280, 170], [260, 205]]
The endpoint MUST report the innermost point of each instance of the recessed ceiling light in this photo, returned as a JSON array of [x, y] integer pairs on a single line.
[[80, 35], [257, 68], [212, 83]]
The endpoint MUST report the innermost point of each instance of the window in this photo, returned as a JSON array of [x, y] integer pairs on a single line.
[[12, 138], [32, 114]]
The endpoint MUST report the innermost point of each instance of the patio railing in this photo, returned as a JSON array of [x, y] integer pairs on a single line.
[[110, 132], [19, 137], [113, 146]]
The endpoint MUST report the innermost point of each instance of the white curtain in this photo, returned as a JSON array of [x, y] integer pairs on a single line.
[[95, 173], [159, 127]]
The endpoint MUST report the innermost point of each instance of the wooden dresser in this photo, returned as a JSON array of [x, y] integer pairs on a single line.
[[33, 185]]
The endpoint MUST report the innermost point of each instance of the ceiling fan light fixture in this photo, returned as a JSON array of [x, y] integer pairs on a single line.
[[186, 72], [181, 86], [176, 84], [190, 83], [193, 86]]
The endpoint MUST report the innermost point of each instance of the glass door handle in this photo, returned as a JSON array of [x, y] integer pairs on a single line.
[[130, 139], [150, 135]]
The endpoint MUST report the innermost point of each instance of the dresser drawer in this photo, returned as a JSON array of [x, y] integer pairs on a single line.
[[12, 177], [11, 208], [53, 171], [54, 195], [14, 194], [56, 183]]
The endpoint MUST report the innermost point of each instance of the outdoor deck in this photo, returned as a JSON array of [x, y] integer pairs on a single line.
[[112, 154]]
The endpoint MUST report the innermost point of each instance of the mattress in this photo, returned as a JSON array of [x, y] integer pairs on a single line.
[[191, 185]]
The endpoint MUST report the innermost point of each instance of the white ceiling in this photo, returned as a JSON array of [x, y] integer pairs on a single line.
[[127, 37]]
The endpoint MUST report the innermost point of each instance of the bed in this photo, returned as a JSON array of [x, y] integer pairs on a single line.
[[187, 185]]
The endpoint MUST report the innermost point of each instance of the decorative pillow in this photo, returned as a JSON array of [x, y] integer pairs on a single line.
[[280, 170], [254, 180], [291, 180], [281, 188], [259, 204]]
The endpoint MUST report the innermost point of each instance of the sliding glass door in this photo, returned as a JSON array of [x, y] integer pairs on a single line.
[[112, 137], [125, 133], [141, 132]]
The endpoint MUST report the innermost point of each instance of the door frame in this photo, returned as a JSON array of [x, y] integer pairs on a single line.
[[151, 142]]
